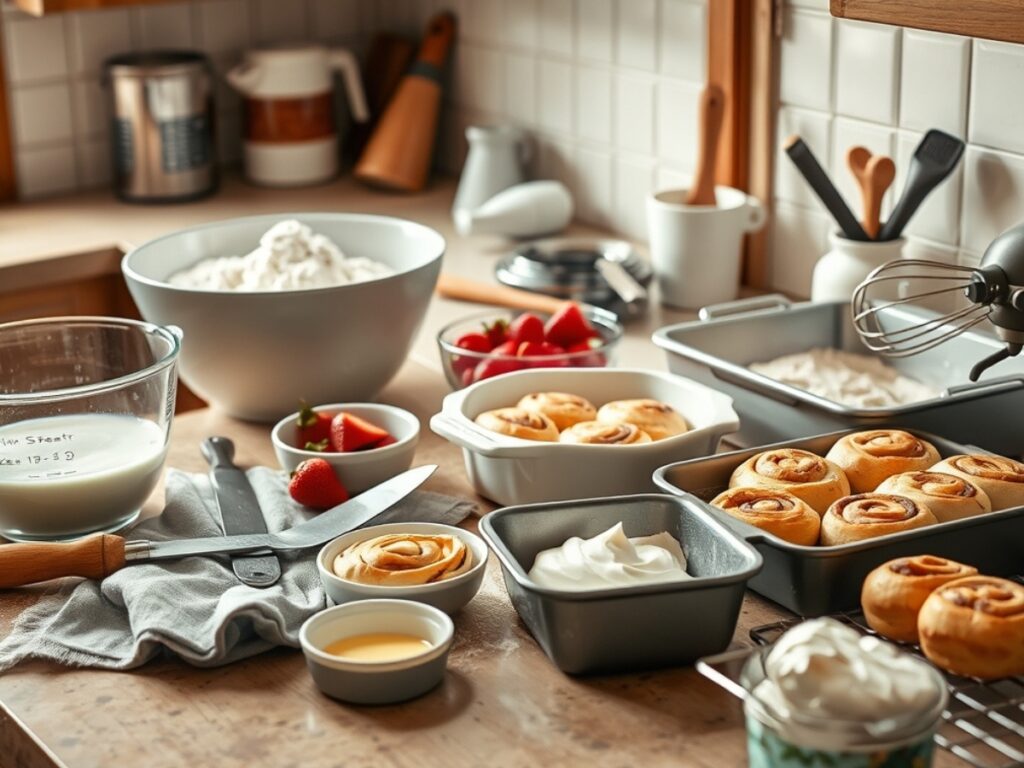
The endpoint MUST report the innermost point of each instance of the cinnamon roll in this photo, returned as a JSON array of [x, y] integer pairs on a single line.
[[561, 407], [893, 593], [817, 481], [516, 422], [948, 497], [657, 419], [868, 458], [775, 511], [404, 559], [596, 433], [1002, 479], [867, 515], [975, 627]]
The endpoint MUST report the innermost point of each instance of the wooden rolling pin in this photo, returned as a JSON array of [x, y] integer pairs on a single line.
[[94, 557], [874, 175], [461, 289]]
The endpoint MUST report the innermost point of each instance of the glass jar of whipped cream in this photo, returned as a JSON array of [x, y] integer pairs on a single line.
[[825, 695]]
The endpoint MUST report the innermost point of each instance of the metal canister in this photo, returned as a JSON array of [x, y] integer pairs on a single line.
[[163, 140]]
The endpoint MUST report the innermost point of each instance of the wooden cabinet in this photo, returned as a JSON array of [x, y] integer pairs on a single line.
[[991, 19]]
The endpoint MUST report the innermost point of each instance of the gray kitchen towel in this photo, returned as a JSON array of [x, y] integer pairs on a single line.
[[194, 608]]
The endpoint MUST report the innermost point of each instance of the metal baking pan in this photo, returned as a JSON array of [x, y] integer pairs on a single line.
[[625, 628], [717, 350], [814, 581]]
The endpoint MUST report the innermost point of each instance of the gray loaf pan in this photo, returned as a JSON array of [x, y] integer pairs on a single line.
[[625, 628], [814, 581], [717, 350]]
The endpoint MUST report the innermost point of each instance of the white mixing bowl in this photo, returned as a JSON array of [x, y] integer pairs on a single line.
[[256, 354]]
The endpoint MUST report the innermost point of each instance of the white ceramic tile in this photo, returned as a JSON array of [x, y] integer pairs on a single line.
[[556, 26], [933, 89], [41, 114], [557, 160], [683, 34], [555, 96], [593, 194], [165, 26], [997, 109], [94, 163], [920, 249], [332, 20], [91, 103], [805, 78], [594, 23], [36, 48], [938, 217], [278, 22], [521, 88], [634, 113], [594, 104], [45, 171], [799, 239], [867, 70], [480, 78], [636, 34], [224, 26], [483, 21], [634, 181], [96, 35], [522, 23], [993, 196], [677, 122], [671, 178], [848, 133], [815, 128]]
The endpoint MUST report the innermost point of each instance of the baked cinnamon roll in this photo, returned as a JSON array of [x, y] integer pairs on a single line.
[[817, 481], [657, 419], [775, 511], [975, 627], [868, 515], [403, 559], [516, 422], [1002, 479], [870, 457], [596, 433], [561, 407], [948, 497], [893, 593]]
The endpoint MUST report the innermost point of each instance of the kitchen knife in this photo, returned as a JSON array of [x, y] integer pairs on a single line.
[[239, 511], [100, 555]]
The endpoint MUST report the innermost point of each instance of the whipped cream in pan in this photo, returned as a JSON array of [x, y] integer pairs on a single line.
[[290, 256], [860, 381], [610, 559]]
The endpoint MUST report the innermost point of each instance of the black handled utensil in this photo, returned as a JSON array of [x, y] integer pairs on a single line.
[[934, 159], [823, 187]]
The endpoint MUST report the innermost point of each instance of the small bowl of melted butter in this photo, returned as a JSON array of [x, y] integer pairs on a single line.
[[377, 651]]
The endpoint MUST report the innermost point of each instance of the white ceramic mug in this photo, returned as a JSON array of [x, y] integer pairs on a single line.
[[696, 249]]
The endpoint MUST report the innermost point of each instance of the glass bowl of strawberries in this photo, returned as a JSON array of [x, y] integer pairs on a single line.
[[488, 344]]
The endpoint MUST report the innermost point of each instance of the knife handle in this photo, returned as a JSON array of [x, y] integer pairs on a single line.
[[93, 557], [218, 452]]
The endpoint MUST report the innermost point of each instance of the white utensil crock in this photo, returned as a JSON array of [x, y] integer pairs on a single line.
[[838, 273], [496, 159]]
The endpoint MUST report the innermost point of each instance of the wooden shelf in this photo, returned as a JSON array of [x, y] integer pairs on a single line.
[[990, 19], [44, 7]]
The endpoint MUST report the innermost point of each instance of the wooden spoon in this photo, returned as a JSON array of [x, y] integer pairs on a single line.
[[712, 110], [874, 174]]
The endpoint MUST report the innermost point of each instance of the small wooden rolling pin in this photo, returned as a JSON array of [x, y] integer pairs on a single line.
[[94, 557], [461, 289]]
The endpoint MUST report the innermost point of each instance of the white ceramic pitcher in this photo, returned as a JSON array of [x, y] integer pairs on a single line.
[[496, 160]]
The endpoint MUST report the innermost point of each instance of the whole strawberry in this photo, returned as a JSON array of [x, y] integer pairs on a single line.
[[314, 484], [314, 429]]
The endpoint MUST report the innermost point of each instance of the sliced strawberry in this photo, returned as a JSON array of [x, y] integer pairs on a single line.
[[389, 440], [526, 327], [567, 326], [506, 348], [314, 484], [493, 367], [313, 427], [350, 433], [496, 332]]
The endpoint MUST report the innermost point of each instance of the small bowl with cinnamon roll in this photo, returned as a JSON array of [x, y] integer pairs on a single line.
[[440, 565]]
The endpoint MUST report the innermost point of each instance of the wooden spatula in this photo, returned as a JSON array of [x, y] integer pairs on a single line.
[[874, 174], [712, 110]]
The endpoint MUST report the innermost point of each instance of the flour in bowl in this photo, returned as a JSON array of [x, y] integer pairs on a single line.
[[290, 257]]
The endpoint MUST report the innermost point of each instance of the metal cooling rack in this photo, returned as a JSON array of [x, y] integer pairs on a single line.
[[984, 723]]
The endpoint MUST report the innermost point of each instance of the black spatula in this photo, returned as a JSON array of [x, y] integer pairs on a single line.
[[934, 159]]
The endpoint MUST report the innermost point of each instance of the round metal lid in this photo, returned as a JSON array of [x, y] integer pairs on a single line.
[[156, 63]]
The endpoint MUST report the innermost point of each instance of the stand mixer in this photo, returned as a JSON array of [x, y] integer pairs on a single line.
[[995, 290]]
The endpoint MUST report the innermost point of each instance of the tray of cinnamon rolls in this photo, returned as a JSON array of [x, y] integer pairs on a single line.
[[825, 511]]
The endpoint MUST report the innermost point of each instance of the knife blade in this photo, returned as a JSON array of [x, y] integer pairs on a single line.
[[99, 555], [239, 511]]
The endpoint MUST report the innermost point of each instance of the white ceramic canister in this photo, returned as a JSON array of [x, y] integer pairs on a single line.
[[696, 250], [291, 136], [496, 160], [838, 273]]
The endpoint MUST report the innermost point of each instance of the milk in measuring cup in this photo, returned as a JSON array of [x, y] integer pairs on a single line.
[[66, 475]]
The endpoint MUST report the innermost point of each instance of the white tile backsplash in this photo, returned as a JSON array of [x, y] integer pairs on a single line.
[[799, 238], [993, 195], [636, 34], [634, 113], [805, 55], [683, 31], [522, 24], [36, 48], [279, 22], [933, 86], [594, 29], [520, 88], [556, 27], [815, 128], [997, 85], [634, 181], [594, 104], [225, 26], [165, 26], [867, 64], [41, 114], [97, 35], [677, 122], [594, 188], [45, 171], [555, 97]]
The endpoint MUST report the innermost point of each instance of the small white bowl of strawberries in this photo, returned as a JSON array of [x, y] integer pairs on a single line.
[[363, 443], [489, 344]]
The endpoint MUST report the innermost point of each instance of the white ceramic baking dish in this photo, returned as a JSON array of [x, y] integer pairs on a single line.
[[508, 470]]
